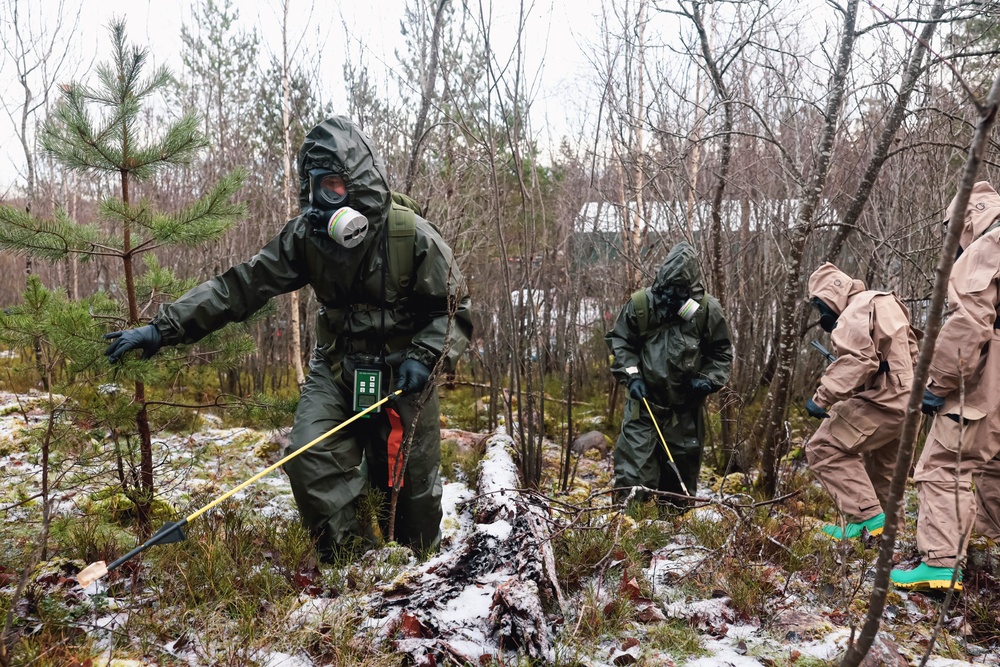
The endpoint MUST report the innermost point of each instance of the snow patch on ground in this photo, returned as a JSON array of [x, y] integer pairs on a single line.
[[673, 562], [724, 657], [284, 660], [714, 611], [948, 662], [827, 648]]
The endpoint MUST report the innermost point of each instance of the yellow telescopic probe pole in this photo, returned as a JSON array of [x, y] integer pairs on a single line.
[[172, 532], [667, 449]]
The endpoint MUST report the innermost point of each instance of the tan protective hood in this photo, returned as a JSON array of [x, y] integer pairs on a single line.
[[833, 286], [983, 209]]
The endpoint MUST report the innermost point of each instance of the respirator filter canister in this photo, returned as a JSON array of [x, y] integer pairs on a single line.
[[688, 309], [347, 227]]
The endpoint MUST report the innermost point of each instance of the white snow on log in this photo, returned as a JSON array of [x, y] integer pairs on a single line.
[[455, 524], [498, 529], [497, 480], [471, 604], [488, 586]]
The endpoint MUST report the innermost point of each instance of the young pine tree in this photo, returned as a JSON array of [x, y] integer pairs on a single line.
[[100, 133]]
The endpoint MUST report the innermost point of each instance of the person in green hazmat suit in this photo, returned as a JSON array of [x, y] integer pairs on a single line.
[[348, 243], [670, 346]]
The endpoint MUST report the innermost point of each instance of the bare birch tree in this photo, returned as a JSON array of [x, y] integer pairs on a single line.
[[810, 195], [289, 185]]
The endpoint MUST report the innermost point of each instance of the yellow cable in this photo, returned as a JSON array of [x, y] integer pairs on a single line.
[[227, 494], [660, 433], [665, 447]]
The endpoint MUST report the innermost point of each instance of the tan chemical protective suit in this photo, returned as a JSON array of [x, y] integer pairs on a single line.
[[965, 436], [865, 391]]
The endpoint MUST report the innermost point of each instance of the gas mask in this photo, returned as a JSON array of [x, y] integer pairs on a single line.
[[327, 212], [827, 316], [675, 300]]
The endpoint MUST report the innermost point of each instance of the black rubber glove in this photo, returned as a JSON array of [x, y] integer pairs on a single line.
[[413, 375], [147, 339], [932, 403], [637, 389], [702, 387], [816, 411]]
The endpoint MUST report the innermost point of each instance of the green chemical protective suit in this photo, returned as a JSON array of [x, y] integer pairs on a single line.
[[365, 314], [670, 355]]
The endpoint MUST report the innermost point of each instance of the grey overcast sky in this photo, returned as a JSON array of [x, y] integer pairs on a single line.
[[558, 31]]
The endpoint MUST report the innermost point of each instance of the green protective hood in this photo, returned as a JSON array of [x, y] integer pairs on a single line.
[[337, 144], [681, 268]]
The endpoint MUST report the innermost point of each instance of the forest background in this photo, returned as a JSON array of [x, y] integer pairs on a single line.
[[772, 136], [701, 121]]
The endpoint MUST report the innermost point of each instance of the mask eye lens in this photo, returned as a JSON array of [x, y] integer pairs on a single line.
[[329, 191], [333, 185]]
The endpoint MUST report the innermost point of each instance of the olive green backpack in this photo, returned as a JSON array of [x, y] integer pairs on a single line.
[[640, 303], [402, 230]]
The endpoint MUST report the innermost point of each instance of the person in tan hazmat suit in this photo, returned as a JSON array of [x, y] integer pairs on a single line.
[[864, 395], [962, 445]]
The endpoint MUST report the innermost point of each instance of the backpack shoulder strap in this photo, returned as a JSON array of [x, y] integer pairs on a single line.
[[406, 202], [402, 230], [640, 303], [701, 316]]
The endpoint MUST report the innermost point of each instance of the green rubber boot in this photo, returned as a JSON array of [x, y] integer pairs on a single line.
[[854, 530], [924, 577]]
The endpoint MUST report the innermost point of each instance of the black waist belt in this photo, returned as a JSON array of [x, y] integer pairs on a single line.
[[364, 307], [370, 345]]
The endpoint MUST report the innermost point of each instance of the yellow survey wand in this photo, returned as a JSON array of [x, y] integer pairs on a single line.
[[173, 531], [667, 449]]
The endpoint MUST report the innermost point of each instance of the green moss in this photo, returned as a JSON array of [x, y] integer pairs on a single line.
[[461, 408], [115, 505]]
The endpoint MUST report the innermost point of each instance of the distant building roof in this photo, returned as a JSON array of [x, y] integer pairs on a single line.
[[670, 217]]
